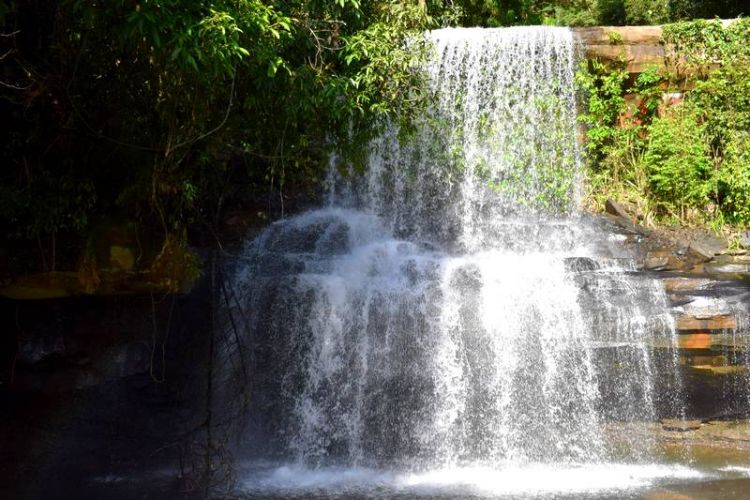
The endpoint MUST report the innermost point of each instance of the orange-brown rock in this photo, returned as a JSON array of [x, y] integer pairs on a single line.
[[640, 47], [677, 285], [638, 58], [688, 322], [619, 35]]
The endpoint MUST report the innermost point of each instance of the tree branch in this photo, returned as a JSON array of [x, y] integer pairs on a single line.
[[10, 51], [14, 87], [215, 129]]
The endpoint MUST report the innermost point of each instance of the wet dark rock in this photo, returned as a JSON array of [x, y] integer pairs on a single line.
[[616, 209], [410, 270], [675, 425], [242, 223], [292, 239], [39, 349], [729, 268], [720, 370], [428, 246], [84, 401], [625, 225], [335, 240], [656, 263], [686, 284], [677, 300], [581, 264], [275, 265], [700, 251]]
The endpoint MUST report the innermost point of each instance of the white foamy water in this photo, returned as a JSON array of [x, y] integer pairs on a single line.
[[534, 480], [743, 471]]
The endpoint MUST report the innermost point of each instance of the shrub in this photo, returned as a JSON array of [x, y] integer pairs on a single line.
[[734, 179], [647, 11], [677, 161]]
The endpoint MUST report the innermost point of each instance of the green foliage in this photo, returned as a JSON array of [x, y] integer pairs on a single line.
[[500, 12], [687, 162], [733, 182], [647, 12], [604, 88], [165, 110], [615, 144], [47, 204], [577, 13], [678, 161], [637, 12], [614, 38], [707, 9], [611, 12], [692, 46], [721, 58]]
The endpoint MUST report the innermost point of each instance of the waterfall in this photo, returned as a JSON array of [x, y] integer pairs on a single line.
[[500, 140], [453, 306]]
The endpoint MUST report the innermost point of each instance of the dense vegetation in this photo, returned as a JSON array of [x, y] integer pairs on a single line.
[[165, 112], [688, 162], [591, 12]]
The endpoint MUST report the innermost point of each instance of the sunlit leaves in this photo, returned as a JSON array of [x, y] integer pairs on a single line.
[[687, 158]]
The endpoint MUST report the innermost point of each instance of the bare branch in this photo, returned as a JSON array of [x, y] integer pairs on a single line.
[[10, 52], [215, 129], [14, 87]]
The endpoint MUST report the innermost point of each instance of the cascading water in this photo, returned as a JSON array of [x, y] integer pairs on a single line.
[[452, 308]]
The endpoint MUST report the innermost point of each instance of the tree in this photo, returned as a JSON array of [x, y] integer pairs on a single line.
[[157, 109]]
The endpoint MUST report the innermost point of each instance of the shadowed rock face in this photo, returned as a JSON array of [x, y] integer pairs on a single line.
[[77, 397], [118, 259]]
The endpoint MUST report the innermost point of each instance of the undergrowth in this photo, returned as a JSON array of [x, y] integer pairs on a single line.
[[673, 144]]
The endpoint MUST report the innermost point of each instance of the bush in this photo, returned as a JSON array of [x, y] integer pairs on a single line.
[[646, 11], [690, 162], [678, 161], [734, 179], [693, 9]]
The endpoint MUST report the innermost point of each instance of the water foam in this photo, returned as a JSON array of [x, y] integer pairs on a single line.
[[534, 480]]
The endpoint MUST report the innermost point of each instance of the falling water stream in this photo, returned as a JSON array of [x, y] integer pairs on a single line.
[[451, 322]]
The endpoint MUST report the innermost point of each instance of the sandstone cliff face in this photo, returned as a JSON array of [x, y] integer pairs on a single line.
[[639, 46]]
